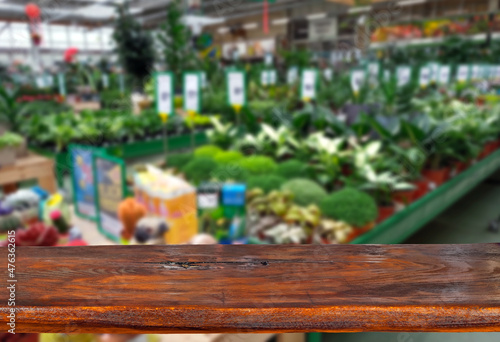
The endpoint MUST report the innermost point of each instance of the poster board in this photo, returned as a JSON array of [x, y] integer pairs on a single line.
[[82, 180], [110, 189]]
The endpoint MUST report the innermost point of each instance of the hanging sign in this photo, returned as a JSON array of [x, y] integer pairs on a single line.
[[463, 73], [236, 87], [164, 93], [105, 81], [357, 80], [62, 84], [403, 74], [444, 74], [425, 77], [309, 82], [192, 100], [110, 190], [292, 75], [82, 178]]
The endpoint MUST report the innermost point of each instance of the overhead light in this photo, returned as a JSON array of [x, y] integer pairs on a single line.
[[411, 2], [316, 16], [281, 21], [250, 26], [223, 30], [359, 9]]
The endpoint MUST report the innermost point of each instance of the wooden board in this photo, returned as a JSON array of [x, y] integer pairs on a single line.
[[271, 289], [30, 167]]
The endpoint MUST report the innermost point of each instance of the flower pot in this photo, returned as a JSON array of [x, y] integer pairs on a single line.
[[405, 197], [7, 156], [437, 177], [461, 166], [422, 188], [384, 212], [360, 231], [491, 146]]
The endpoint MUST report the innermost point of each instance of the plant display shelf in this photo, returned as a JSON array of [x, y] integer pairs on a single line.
[[125, 151]]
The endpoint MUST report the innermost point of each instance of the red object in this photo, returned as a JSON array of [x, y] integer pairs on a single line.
[[385, 212], [55, 215], [265, 17], [76, 243], [462, 166], [69, 54], [437, 177], [422, 188], [32, 11], [405, 197]]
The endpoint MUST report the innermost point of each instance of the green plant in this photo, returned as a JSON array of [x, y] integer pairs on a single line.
[[178, 161], [9, 139], [258, 165], [228, 157], [207, 151], [222, 135], [230, 172], [266, 183], [12, 112], [134, 45], [292, 169], [351, 206], [305, 191], [199, 169]]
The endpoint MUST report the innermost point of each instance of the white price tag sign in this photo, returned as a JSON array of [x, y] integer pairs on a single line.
[[403, 74], [444, 74], [208, 201], [357, 80], [236, 87], [165, 93], [292, 75], [328, 74], [425, 76], [192, 92], [463, 73], [309, 79]]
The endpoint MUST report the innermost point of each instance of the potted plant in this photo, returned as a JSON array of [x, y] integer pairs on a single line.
[[9, 142]]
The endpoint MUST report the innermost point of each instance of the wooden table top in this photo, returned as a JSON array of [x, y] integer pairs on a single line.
[[231, 289]]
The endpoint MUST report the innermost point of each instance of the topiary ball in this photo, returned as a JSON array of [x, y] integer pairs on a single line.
[[292, 169], [258, 165], [200, 169], [266, 183], [178, 161], [305, 191], [228, 157], [207, 151], [351, 206]]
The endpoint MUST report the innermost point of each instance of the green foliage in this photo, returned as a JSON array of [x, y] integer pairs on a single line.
[[228, 157], [200, 169], [115, 99], [10, 139], [134, 45], [258, 165], [178, 161], [209, 151], [225, 173], [305, 191], [350, 206], [266, 183], [11, 112], [292, 169]]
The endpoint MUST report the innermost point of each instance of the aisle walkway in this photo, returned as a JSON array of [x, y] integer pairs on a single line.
[[465, 222]]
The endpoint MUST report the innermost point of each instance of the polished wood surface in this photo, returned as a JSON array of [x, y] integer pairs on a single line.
[[216, 289]]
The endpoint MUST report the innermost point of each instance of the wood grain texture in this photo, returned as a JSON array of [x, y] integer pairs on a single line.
[[231, 289]]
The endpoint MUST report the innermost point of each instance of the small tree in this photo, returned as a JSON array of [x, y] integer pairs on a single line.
[[134, 46], [175, 38]]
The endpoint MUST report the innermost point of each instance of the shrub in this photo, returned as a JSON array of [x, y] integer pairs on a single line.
[[199, 169], [207, 151], [229, 172], [351, 206], [258, 165], [305, 191], [292, 169], [178, 161], [228, 157], [266, 183]]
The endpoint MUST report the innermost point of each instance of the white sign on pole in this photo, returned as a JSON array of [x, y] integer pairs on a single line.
[[309, 81], [463, 73], [424, 77], [236, 87], [292, 75], [328, 74], [192, 92], [403, 74], [373, 72], [357, 80], [165, 93], [444, 74], [105, 81]]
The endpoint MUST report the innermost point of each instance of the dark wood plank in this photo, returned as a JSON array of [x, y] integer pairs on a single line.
[[176, 289]]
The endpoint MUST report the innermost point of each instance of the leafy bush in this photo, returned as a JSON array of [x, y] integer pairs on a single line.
[[266, 183], [207, 151], [351, 206], [292, 169], [305, 191], [228, 173], [258, 165], [10, 139], [199, 169], [228, 157], [178, 161]]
